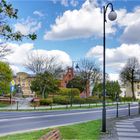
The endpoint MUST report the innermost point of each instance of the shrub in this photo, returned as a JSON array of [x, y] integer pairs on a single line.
[[127, 99], [78, 100], [93, 99], [46, 101], [63, 100], [68, 92]]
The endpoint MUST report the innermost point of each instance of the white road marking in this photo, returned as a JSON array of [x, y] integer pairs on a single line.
[[75, 113]]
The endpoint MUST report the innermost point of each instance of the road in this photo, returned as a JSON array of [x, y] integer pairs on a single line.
[[15, 122]]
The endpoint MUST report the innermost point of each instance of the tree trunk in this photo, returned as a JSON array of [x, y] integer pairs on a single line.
[[132, 85], [43, 92]]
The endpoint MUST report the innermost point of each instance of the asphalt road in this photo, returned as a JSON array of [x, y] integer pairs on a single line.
[[14, 122]]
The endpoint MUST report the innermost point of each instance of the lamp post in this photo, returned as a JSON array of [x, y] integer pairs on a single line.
[[112, 16]]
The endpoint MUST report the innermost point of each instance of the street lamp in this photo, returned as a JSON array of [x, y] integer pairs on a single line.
[[112, 16]]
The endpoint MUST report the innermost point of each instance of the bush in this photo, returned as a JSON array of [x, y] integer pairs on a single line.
[[78, 100], [46, 101], [127, 99], [63, 100], [93, 99], [68, 92]]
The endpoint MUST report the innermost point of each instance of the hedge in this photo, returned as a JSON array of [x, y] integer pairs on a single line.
[[46, 101], [68, 92], [78, 100], [63, 100]]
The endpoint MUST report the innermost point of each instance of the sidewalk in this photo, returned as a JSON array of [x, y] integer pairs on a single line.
[[125, 128]]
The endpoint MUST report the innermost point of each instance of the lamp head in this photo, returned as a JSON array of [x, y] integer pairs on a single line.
[[112, 15], [77, 67]]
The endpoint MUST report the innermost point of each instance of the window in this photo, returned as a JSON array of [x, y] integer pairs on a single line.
[[138, 93], [138, 86]]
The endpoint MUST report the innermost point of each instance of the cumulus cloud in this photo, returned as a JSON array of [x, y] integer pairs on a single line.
[[115, 57], [82, 23], [113, 76], [27, 26], [20, 55], [131, 22], [38, 13]]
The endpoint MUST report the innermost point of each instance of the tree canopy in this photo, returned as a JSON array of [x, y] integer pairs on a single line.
[[7, 12], [5, 77], [77, 82], [44, 84], [112, 89]]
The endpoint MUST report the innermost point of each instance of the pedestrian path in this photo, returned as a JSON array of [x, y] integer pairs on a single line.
[[127, 129]]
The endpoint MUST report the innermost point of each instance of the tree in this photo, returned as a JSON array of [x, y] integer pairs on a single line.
[[6, 32], [39, 64], [44, 84], [89, 71], [98, 89], [112, 89], [128, 73], [5, 77], [77, 82]]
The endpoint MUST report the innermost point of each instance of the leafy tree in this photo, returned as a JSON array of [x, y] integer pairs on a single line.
[[98, 89], [5, 77], [128, 73], [77, 82], [112, 89], [44, 84], [6, 32]]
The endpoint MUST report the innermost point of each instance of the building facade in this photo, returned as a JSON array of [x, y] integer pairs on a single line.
[[23, 83]]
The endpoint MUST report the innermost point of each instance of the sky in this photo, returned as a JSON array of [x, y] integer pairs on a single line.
[[72, 30]]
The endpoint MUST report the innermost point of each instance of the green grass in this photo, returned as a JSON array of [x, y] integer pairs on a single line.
[[84, 131]]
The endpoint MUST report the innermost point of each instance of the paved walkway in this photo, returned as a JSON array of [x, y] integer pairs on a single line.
[[128, 129], [123, 129]]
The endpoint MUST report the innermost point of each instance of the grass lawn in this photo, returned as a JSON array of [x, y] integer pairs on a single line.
[[84, 131]]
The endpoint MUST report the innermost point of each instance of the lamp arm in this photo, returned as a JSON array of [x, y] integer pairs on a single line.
[[105, 9]]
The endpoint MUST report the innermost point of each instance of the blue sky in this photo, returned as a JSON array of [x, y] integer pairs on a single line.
[[72, 29]]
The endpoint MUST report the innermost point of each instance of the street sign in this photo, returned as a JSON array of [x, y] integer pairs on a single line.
[[12, 88], [12, 82]]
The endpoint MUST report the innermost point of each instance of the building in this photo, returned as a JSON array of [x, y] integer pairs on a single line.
[[23, 83], [66, 77]]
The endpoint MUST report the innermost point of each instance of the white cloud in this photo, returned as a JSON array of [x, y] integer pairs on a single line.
[[115, 57], [113, 76], [38, 13], [20, 53], [27, 26], [84, 22], [61, 57], [15, 69], [131, 22]]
